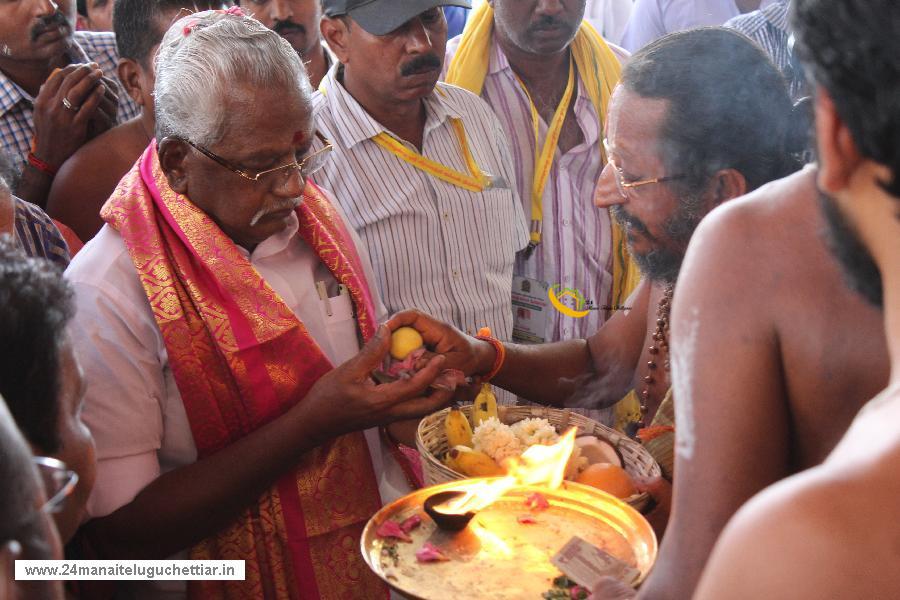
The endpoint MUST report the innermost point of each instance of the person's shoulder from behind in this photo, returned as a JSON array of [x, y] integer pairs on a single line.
[[737, 224], [829, 532], [85, 181]]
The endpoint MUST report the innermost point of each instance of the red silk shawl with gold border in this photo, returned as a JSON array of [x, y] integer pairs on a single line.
[[241, 358]]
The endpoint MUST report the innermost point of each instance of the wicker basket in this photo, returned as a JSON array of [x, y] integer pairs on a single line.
[[431, 441]]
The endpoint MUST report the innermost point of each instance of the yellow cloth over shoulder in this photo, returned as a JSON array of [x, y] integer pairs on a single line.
[[599, 71]]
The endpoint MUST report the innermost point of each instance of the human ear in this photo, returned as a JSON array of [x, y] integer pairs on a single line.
[[727, 184], [130, 76], [172, 156], [336, 33], [838, 155]]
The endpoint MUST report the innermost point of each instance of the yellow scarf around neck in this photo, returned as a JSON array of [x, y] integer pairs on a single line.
[[598, 69]]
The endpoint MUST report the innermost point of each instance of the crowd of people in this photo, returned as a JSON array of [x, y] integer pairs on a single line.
[[214, 215]]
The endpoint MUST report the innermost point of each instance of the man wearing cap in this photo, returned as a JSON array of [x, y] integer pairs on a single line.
[[421, 168], [548, 75]]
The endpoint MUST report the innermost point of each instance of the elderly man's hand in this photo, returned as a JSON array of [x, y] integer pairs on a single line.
[[470, 355], [347, 399]]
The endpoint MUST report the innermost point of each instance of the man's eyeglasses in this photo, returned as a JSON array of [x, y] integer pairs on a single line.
[[59, 482], [626, 187], [306, 167]]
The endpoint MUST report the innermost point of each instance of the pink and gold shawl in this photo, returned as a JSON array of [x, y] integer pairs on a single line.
[[241, 358]]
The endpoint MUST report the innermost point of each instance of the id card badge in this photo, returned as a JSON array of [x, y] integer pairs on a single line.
[[530, 306]]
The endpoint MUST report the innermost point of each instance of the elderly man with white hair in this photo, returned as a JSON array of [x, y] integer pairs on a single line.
[[211, 310]]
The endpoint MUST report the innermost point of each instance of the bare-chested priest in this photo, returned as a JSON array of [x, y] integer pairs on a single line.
[[831, 532]]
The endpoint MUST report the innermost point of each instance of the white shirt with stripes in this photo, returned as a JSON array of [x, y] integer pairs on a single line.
[[434, 246], [576, 245]]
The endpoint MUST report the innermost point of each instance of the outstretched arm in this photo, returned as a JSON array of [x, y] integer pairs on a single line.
[[546, 373]]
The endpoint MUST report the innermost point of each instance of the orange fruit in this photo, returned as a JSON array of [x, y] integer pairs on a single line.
[[609, 478]]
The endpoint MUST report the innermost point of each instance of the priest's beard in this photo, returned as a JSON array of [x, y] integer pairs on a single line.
[[663, 264], [860, 271]]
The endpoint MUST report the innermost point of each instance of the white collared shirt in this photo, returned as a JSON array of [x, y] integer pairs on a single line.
[[133, 406], [434, 246]]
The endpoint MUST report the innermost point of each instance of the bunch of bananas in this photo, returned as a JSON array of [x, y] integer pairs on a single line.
[[461, 457]]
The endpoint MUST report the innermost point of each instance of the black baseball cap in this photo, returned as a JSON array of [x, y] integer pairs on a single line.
[[380, 17]]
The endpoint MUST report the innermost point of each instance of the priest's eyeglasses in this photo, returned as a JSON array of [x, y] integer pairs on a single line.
[[627, 187], [59, 482], [306, 167]]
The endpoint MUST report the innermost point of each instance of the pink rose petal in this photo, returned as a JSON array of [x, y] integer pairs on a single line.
[[430, 553], [579, 593], [390, 529], [526, 519], [411, 523], [537, 501]]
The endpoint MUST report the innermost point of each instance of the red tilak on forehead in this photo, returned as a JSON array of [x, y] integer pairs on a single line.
[[299, 136]]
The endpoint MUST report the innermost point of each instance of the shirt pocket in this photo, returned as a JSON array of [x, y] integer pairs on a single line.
[[500, 227], [340, 325]]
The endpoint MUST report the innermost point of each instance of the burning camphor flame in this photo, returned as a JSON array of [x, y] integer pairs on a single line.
[[539, 465]]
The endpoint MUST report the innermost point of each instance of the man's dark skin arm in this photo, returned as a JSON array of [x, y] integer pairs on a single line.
[[184, 506], [60, 131], [549, 373]]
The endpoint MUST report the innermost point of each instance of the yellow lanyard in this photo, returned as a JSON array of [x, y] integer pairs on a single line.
[[543, 160], [476, 180]]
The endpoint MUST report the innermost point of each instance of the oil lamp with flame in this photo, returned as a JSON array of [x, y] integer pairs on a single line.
[[539, 465]]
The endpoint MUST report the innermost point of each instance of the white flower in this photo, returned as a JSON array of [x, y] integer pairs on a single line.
[[535, 431], [497, 440]]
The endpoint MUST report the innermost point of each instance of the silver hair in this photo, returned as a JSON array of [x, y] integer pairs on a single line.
[[205, 55]]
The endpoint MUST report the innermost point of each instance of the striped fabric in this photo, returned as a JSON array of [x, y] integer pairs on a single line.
[[434, 246], [576, 250], [16, 105], [769, 27], [37, 235]]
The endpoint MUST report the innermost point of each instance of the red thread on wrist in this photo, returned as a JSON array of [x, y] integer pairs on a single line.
[[40, 165], [499, 358]]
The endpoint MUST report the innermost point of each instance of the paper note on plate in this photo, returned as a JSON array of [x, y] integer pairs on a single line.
[[587, 564]]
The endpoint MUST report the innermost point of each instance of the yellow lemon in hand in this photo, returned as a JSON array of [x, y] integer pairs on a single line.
[[404, 341]]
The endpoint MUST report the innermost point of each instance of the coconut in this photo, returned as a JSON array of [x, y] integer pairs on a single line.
[[597, 450]]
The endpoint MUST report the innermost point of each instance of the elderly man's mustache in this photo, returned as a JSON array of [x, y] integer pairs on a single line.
[[50, 22], [283, 27], [421, 64]]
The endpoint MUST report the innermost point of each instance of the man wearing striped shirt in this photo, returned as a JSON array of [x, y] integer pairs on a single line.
[[421, 169], [548, 76]]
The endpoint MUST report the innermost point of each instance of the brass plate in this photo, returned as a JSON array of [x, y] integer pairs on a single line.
[[496, 556]]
